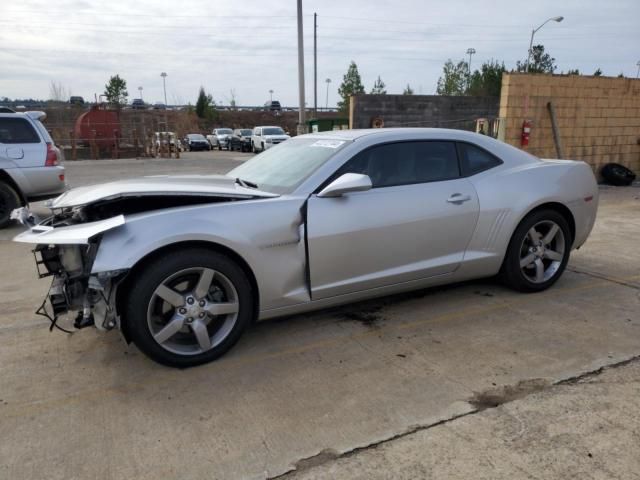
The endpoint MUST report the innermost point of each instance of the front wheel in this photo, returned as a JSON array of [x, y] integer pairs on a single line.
[[538, 252], [189, 307], [9, 200]]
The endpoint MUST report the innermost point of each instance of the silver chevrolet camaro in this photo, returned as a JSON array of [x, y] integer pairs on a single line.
[[181, 265]]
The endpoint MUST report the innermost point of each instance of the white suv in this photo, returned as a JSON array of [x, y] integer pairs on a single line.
[[267, 137], [30, 168]]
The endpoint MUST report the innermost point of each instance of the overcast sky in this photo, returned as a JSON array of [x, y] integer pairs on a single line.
[[250, 45]]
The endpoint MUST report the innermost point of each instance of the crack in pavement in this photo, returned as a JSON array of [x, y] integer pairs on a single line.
[[601, 276], [511, 393]]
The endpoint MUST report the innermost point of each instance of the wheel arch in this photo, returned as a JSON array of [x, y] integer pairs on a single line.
[[8, 179], [125, 283], [557, 207], [554, 206]]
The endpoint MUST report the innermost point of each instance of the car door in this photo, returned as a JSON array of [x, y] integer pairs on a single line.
[[414, 223]]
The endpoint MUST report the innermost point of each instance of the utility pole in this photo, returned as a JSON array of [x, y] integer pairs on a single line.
[[270, 96], [301, 101], [638, 74], [140, 89], [315, 63], [326, 106]]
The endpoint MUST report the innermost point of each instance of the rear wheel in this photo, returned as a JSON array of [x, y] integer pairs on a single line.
[[538, 252], [189, 307], [9, 200]]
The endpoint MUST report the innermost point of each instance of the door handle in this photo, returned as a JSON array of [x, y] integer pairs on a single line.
[[458, 198]]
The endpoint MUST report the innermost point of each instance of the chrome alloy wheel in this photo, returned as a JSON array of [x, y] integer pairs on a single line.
[[542, 251], [192, 311]]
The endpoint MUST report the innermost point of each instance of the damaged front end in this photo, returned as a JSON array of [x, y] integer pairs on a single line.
[[65, 250], [67, 242], [74, 288]]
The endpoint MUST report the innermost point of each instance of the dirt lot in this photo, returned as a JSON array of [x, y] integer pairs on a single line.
[[467, 381]]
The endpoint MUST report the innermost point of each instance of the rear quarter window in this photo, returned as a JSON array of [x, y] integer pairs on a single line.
[[17, 130], [474, 159]]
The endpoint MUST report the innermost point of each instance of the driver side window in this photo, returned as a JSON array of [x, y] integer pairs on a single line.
[[405, 163]]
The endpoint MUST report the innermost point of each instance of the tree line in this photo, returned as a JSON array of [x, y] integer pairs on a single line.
[[457, 79]]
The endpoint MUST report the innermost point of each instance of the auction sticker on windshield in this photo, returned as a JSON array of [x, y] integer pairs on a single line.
[[328, 143]]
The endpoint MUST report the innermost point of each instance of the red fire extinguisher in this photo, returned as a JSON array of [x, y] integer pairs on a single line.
[[526, 131]]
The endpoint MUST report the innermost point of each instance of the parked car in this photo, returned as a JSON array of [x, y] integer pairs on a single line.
[[241, 140], [182, 265], [266, 137], [196, 142], [30, 163], [76, 100], [220, 138], [159, 106], [138, 104], [273, 106]]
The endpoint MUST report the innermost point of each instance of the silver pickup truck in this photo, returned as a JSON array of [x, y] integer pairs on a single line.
[[30, 163]]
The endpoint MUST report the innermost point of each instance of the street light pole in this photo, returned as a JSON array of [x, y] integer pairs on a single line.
[[270, 96], [301, 101], [140, 89], [164, 86], [315, 63], [326, 106], [470, 52], [533, 32]]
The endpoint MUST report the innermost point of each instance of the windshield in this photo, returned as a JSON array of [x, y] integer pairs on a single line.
[[196, 136], [281, 169], [246, 133], [223, 131], [272, 131]]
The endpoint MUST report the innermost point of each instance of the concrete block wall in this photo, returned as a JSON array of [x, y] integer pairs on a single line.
[[598, 117], [421, 110]]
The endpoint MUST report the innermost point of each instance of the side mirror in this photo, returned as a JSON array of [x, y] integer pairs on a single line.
[[349, 182]]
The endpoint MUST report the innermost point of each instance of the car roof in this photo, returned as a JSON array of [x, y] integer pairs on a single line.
[[409, 132], [401, 134]]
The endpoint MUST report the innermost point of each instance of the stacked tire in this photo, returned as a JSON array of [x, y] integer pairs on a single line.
[[618, 175]]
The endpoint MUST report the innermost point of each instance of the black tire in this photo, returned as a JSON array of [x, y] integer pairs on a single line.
[[618, 175], [219, 147], [253, 148], [511, 273], [155, 273], [9, 200]]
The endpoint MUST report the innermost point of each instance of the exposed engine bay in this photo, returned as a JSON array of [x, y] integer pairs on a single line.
[[73, 288], [124, 206]]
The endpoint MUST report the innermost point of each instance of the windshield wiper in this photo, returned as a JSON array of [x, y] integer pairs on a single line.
[[246, 183]]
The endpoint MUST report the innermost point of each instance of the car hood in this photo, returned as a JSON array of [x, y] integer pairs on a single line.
[[165, 185]]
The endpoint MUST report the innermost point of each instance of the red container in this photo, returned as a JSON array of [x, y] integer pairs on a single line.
[[100, 123]]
